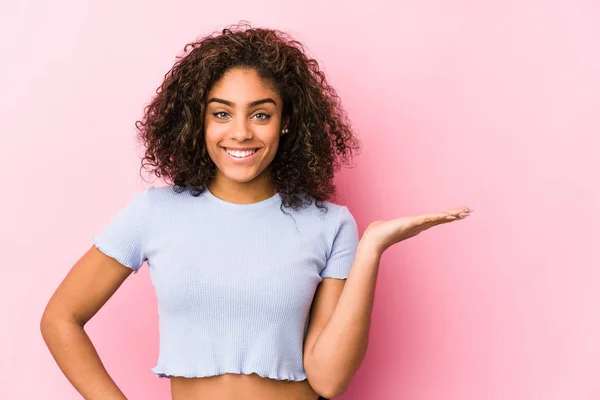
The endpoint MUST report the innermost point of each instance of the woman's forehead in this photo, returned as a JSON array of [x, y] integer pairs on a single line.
[[243, 85]]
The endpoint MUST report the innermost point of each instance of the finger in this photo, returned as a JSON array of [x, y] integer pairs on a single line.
[[438, 218], [461, 215], [458, 210], [432, 219]]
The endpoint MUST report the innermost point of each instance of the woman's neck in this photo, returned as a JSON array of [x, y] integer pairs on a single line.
[[242, 193]]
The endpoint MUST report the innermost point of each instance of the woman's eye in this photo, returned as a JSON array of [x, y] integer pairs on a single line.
[[262, 116], [220, 114], [258, 116]]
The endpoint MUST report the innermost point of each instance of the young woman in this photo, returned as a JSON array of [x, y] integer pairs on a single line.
[[264, 288]]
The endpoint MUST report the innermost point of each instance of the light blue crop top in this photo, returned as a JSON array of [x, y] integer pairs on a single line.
[[234, 282]]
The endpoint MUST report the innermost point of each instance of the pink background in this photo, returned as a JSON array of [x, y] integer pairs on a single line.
[[494, 105]]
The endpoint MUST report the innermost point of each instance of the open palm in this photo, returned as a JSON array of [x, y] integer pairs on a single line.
[[383, 234]]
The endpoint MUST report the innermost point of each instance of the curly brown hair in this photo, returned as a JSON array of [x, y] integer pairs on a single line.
[[320, 138]]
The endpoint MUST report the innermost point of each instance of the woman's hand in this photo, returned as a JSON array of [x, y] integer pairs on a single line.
[[383, 234]]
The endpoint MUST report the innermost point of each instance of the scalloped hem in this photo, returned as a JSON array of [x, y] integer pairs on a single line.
[[109, 253], [183, 375]]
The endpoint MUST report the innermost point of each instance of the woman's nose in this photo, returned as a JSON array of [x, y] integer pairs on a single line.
[[241, 130]]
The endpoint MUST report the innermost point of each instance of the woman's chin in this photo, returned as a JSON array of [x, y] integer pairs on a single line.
[[241, 177]]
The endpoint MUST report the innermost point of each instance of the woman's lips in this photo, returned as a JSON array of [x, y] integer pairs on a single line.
[[241, 159]]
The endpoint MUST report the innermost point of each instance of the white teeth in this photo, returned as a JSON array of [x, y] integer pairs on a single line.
[[240, 154]]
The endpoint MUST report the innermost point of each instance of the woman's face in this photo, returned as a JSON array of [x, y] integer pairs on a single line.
[[242, 125]]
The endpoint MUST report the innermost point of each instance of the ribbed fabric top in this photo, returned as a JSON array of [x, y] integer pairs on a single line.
[[234, 282]]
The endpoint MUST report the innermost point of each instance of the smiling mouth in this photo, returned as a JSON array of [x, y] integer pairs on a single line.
[[240, 154]]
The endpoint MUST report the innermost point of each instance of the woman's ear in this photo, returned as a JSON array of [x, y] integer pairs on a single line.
[[284, 126]]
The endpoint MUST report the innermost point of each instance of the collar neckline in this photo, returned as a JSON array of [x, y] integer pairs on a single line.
[[251, 206]]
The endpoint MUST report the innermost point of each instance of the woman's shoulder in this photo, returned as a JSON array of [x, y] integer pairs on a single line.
[[166, 191], [157, 197], [326, 210]]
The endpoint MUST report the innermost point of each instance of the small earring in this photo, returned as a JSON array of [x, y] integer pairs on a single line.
[[284, 131]]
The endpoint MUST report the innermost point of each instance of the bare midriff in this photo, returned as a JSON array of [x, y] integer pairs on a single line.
[[240, 386]]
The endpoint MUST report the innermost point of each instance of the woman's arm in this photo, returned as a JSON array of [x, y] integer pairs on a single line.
[[334, 354], [85, 289]]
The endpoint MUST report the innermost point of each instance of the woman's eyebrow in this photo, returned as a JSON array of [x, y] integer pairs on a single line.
[[232, 104]]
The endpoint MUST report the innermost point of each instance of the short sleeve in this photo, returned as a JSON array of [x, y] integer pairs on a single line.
[[124, 238], [343, 248]]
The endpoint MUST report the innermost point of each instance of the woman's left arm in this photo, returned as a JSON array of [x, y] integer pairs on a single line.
[[341, 346]]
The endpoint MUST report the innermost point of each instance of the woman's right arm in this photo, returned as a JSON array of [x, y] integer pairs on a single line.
[[86, 288]]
